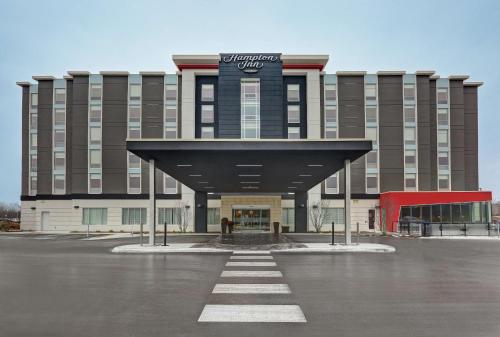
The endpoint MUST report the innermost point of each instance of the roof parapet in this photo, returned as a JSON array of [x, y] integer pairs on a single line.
[[391, 72], [43, 78], [435, 77], [78, 73], [114, 73], [425, 72], [458, 77], [473, 84], [23, 83], [350, 73], [152, 73]]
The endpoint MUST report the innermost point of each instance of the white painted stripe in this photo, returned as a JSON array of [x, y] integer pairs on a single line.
[[251, 257], [252, 252], [250, 264], [252, 313], [251, 288], [251, 273]]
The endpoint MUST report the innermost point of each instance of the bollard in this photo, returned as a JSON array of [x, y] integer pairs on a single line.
[[88, 230], [333, 233], [165, 233], [465, 229], [498, 229], [141, 233], [357, 232]]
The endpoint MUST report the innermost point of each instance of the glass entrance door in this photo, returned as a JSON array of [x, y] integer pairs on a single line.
[[251, 219]]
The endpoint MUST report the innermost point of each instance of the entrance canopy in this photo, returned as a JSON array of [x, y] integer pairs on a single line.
[[249, 166]]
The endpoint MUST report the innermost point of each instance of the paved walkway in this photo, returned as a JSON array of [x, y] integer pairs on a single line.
[[252, 276]]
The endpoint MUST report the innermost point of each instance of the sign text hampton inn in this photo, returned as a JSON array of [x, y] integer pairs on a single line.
[[249, 63]]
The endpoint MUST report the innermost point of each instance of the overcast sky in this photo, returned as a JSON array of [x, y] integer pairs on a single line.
[[52, 37]]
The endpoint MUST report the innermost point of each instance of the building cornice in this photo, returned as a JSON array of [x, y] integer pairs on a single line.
[[391, 72], [458, 77], [114, 73], [152, 73], [23, 83], [425, 72], [78, 73], [350, 73], [473, 84], [43, 78]]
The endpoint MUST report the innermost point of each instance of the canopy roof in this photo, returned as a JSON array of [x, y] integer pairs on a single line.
[[256, 166]]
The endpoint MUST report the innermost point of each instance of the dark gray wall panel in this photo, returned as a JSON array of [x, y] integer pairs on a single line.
[[271, 100], [390, 90], [471, 139], [145, 176], [69, 132], [25, 140], [45, 101], [351, 121], [114, 120], [457, 137], [433, 134], [424, 133], [152, 106], [79, 135], [179, 106]]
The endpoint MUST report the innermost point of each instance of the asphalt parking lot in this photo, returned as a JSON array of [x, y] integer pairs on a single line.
[[60, 285]]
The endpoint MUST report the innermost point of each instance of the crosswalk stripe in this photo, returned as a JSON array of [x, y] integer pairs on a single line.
[[251, 288], [252, 313], [251, 273], [251, 257], [251, 252], [250, 264]]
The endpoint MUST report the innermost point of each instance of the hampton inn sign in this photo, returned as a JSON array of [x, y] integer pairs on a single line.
[[250, 63]]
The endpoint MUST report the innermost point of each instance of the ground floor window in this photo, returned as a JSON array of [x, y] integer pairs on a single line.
[[288, 216], [133, 216], [170, 216], [334, 214], [213, 216], [456, 213], [95, 216]]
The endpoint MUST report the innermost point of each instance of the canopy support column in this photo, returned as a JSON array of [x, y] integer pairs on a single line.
[[200, 212], [301, 212], [152, 202], [347, 200]]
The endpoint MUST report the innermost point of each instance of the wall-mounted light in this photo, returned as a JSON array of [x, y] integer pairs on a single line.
[[315, 206], [302, 205], [76, 207], [187, 207], [33, 208], [199, 205]]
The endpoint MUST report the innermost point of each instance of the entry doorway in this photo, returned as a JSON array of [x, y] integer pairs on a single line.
[[251, 218], [44, 224]]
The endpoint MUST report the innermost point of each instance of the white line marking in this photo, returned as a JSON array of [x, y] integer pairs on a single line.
[[252, 288], [251, 264], [251, 252], [251, 273], [251, 257], [252, 313]]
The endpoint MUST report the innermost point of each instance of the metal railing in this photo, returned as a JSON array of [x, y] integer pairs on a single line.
[[422, 228]]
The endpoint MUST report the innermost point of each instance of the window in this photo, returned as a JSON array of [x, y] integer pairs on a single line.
[[59, 161], [59, 117], [171, 92], [443, 160], [410, 159], [134, 92], [134, 132], [293, 133], [334, 214], [95, 92], [331, 184], [95, 159], [134, 114], [293, 93], [250, 108], [58, 183], [294, 114], [169, 216], [371, 159], [207, 93], [371, 92], [207, 113], [372, 183], [34, 100], [134, 162], [371, 134], [34, 163], [95, 113], [34, 141], [59, 136], [442, 138], [330, 93], [34, 121], [171, 122], [133, 216], [443, 182], [442, 95], [33, 185], [207, 132], [59, 96], [213, 216], [288, 216], [409, 92], [95, 216], [95, 135], [134, 183], [94, 183], [409, 111], [330, 116], [330, 133], [169, 184], [410, 181], [443, 117], [410, 136], [371, 114]]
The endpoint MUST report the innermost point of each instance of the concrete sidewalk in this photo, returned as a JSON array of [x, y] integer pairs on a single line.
[[309, 248]]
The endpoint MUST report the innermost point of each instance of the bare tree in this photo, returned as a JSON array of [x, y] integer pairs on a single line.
[[9, 211], [317, 213], [183, 216]]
